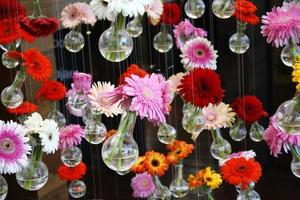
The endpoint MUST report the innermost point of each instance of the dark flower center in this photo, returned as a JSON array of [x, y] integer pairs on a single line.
[[155, 163], [7, 145], [203, 86], [241, 168]]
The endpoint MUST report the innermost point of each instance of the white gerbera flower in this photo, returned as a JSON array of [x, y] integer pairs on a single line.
[[102, 10], [34, 123], [49, 136], [100, 102], [131, 8]]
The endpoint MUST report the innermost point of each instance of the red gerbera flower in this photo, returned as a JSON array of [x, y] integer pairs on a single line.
[[11, 9], [249, 108], [71, 173], [240, 171], [201, 87], [37, 65], [132, 69], [24, 109], [40, 27], [52, 91], [171, 14], [245, 12]]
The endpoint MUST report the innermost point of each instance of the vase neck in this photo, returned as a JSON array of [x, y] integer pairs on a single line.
[[241, 27], [295, 153], [36, 155], [37, 11], [19, 79], [119, 22], [157, 182], [127, 123], [179, 171], [217, 136], [164, 28]]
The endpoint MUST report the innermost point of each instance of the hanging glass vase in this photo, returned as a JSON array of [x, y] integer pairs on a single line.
[[74, 40], [238, 131], [95, 130], [120, 151], [34, 175], [239, 42], [247, 194], [289, 53], [76, 103], [11, 46], [220, 148], [12, 96], [3, 188], [179, 187], [8, 61], [194, 9], [256, 132], [56, 115], [295, 164], [166, 133], [223, 9], [77, 189], [71, 156], [204, 190], [135, 27], [115, 44], [163, 41], [161, 192]]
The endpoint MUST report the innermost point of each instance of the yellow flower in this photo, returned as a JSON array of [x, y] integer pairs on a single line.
[[212, 179], [296, 73]]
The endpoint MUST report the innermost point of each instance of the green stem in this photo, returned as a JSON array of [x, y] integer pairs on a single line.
[[295, 152], [293, 51], [37, 11], [209, 196]]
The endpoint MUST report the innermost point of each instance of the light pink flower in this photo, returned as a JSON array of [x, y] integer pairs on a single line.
[[272, 139], [87, 15], [173, 82], [245, 154], [142, 185], [154, 10], [70, 136], [70, 16], [82, 81]]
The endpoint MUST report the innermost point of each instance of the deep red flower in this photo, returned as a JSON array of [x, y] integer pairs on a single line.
[[12, 9], [201, 87], [25, 108], [171, 14], [132, 69], [41, 26], [249, 108], [52, 91], [71, 173], [245, 12]]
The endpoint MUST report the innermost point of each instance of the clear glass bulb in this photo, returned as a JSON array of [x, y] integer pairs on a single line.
[[12, 97], [238, 131], [179, 187], [77, 103], [9, 62], [12, 46], [123, 173], [3, 188], [223, 8], [220, 148], [194, 9], [239, 43], [135, 27], [161, 192], [163, 42], [192, 121], [166, 133], [74, 41], [71, 156], [58, 117], [95, 132], [248, 195], [256, 132], [288, 52], [77, 189]]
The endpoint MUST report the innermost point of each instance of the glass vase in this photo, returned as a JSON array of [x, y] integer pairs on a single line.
[[248, 194], [238, 131], [179, 187], [223, 9], [12, 96], [163, 41], [8, 61], [115, 44], [239, 42], [289, 53], [295, 164], [76, 103], [56, 115], [74, 41], [220, 148], [256, 132], [120, 151], [194, 9], [161, 192], [77, 189], [71, 156], [204, 190], [135, 27], [166, 133], [11, 46], [3, 188], [95, 130]]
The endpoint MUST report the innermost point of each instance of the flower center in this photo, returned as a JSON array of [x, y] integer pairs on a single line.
[[104, 101], [36, 65], [50, 137], [155, 163], [241, 168], [144, 183], [211, 117], [208, 179], [147, 93], [199, 53], [7, 145]]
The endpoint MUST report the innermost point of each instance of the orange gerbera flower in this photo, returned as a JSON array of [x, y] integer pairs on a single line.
[[178, 151], [245, 12], [240, 171], [139, 166], [37, 65], [156, 163], [194, 181], [25, 108], [52, 91], [71, 173], [132, 69]]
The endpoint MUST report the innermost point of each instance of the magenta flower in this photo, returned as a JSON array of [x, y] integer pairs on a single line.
[[70, 136], [273, 140], [82, 81], [142, 185], [282, 24]]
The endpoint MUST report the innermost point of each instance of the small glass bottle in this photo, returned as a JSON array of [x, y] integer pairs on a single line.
[[77, 189], [194, 9], [223, 9], [161, 192], [248, 194], [220, 148], [239, 42], [71, 156], [6, 60], [166, 133], [163, 41], [256, 132], [179, 187], [135, 27], [289, 53], [56, 115], [238, 131], [95, 130], [74, 41]]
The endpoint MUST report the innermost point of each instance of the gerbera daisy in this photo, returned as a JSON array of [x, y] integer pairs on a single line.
[[282, 24], [249, 108], [178, 151], [142, 185], [131, 8], [132, 69], [245, 12], [211, 178], [154, 10], [171, 13], [199, 53], [70, 136], [34, 123], [139, 166], [41, 26], [37, 65], [100, 102], [24, 109], [194, 181], [201, 87], [81, 81], [14, 148], [49, 136], [218, 116], [86, 14], [71, 173], [52, 91], [173, 82], [240, 171], [296, 73], [70, 16], [101, 9], [156, 163]]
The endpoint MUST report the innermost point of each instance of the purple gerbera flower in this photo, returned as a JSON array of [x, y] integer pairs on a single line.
[[142, 185]]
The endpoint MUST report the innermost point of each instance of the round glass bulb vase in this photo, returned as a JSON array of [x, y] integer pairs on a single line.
[[56, 115], [3, 188], [256, 132], [71, 156], [166, 133], [77, 189], [239, 42], [161, 192], [179, 187], [295, 164], [74, 41], [76, 103], [194, 9], [115, 44], [163, 41], [8, 61], [95, 130], [289, 53], [135, 27], [223, 9], [120, 151], [247, 194], [11, 46], [220, 148], [238, 131]]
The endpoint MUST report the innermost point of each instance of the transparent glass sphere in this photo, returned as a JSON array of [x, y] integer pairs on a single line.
[[33, 176], [115, 46], [238, 131], [74, 41], [239, 43], [163, 42], [256, 132], [9, 62], [220, 148], [166, 133], [223, 8], [76, 104], [77, 189], [58, 117], [134, 28], [193, 123], [248, 195], [12, 97], [286, 56], [95, 132], [194, 9], [12, 46], [71, 156], [3, 188], [179, 188]]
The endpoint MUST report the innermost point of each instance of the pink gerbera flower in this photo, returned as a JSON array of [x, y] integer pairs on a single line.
[[70, 136], [142, 185], [199, 53], [70, 16], [87, 15], [154, 10], [82, 81], [14, 148], [282, 24]]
